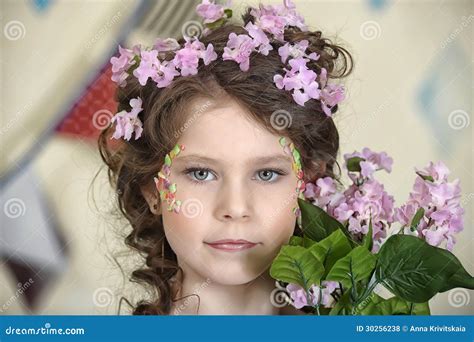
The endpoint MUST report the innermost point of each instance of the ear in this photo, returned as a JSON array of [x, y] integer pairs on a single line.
[[150, 193]]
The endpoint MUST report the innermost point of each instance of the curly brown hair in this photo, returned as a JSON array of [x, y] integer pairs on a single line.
[[133, 164]]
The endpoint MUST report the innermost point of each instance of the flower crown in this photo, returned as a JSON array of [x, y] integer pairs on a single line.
[[298, 78]]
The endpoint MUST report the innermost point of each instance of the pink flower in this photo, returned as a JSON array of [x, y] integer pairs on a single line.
[[405, 213], [343, 212], [260, 39], [298, 295], [440, 199], [162, 72], [187, 58], [356, 206], [318, 295], [435, 236], [326, 186], [310, 191], [120, 65], [439, 171], [165, 75], [329, 287], [238, 48], [275, 19], [273, 24], [208, 55], [300, 79], [164, 45], [210, 11], [356, 227], [148, 67], [372, 162], [128, 122], [296, 50], [331, 95]]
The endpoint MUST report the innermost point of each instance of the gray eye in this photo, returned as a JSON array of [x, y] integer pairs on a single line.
[[200, 174], [265, 175]]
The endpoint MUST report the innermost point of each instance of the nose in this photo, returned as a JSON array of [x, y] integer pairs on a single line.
[[234, 201]]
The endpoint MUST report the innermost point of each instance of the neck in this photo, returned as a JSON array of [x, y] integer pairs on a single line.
[[252, 298]]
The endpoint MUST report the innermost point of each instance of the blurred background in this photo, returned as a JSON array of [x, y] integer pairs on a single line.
[[411, 95]]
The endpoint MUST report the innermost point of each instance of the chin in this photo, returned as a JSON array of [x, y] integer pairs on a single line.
[[233, 274]]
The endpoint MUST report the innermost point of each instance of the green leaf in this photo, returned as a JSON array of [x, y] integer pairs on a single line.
[[302, 241], [459, 279], [331, 249], [367, 241], [353, 164], [216, 24], [416, 219], [296, 241], [228, 13], [342, 306], [295, 264], [425, 177], [317, 224], [376, 305], [415, 271], [354, 267]]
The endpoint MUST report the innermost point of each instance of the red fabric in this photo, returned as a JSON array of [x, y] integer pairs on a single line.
[[93, 110]]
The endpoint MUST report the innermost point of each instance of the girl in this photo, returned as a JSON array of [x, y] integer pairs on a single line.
[[208, 180]]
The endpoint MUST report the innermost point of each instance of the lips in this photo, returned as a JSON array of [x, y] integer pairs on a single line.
[[232, 245]]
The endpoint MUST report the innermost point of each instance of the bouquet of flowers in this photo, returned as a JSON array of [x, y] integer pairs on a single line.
[[351, 251]]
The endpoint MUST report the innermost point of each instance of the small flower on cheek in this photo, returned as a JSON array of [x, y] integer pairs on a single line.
[[167, 189], [291, 150]]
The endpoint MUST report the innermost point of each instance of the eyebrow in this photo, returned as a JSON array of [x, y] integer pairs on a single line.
[[254, 160]]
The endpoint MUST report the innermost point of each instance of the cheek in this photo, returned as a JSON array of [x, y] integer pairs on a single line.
[[184, 232], [275, 210]]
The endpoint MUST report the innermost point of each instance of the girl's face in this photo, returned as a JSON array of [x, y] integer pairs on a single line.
[[235, 182]]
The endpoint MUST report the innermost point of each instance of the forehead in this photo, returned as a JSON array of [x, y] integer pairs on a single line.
[[224, 130]]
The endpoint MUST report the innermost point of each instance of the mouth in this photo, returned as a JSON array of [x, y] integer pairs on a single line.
[[230, 245]]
